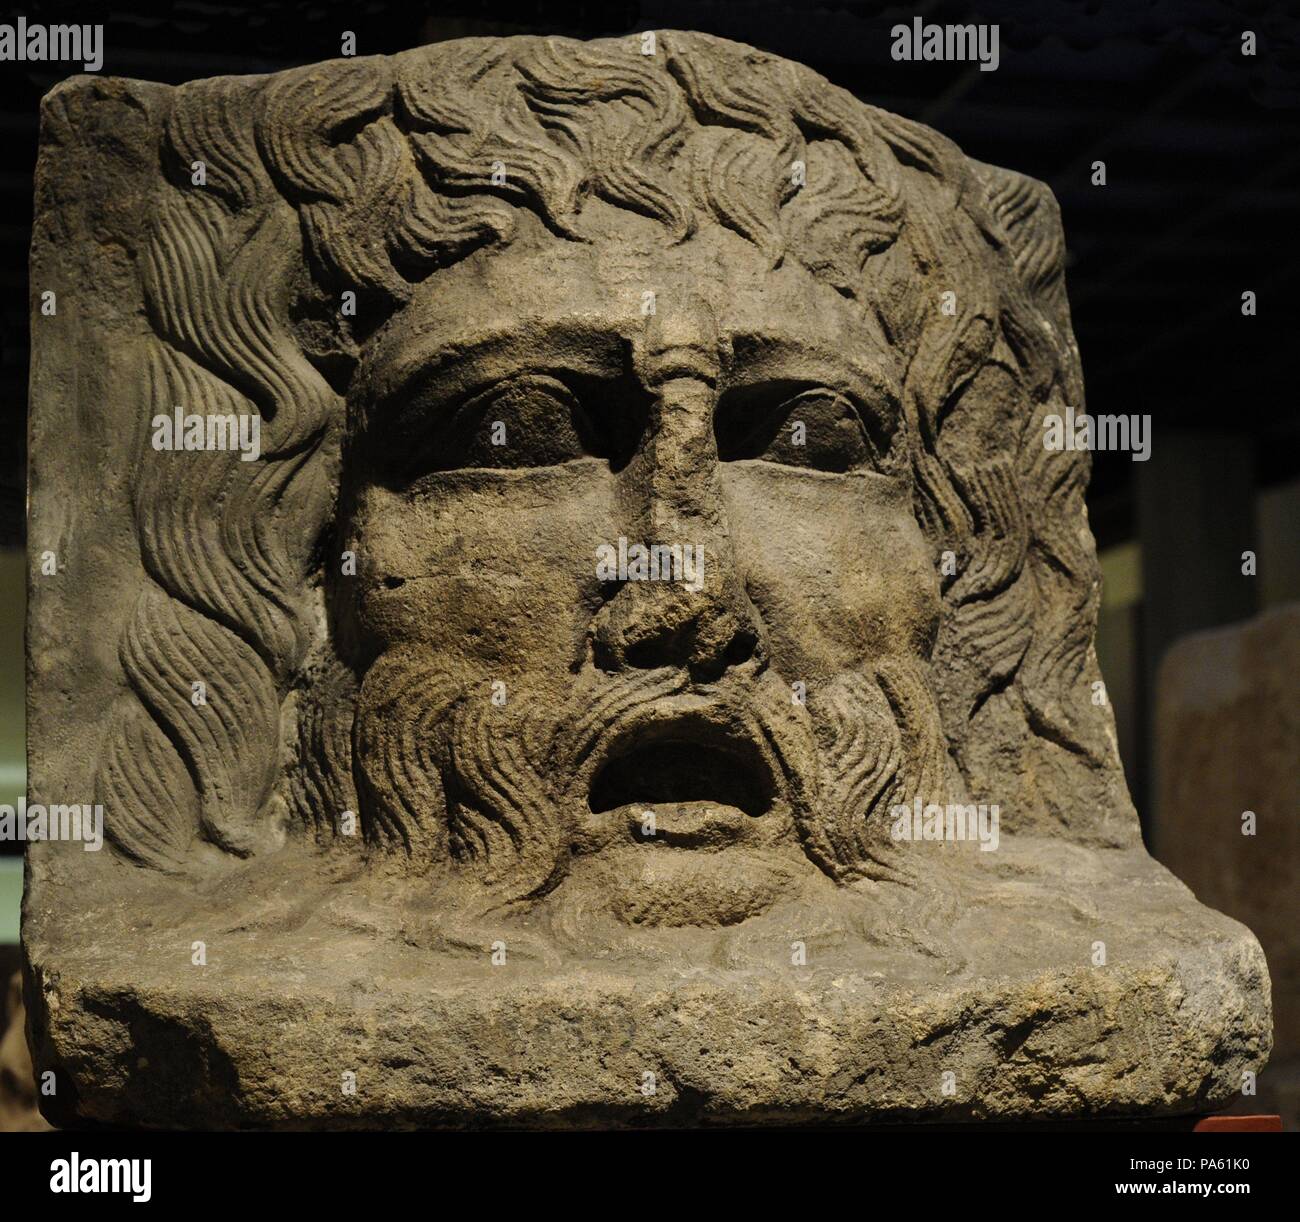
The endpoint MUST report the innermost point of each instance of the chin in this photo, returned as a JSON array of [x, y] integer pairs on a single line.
[[658, 886]]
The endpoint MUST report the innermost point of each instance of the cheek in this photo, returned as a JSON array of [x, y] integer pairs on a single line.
[[484, 571], [837, 566]]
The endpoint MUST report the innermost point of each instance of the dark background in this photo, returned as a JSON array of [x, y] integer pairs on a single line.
[[1202, 153]]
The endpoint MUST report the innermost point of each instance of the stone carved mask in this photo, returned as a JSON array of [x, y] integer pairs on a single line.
[[651, 513], [512, 311]]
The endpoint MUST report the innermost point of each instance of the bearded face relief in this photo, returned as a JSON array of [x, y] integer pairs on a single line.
[[638, 475], [649, 609], [676, 428], [689, 742]]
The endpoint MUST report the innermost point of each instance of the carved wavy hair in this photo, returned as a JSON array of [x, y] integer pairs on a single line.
[[370, 174]]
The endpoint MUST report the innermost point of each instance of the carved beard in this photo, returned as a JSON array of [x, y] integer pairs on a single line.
[[881, 744], [453, 776], [447, 780]]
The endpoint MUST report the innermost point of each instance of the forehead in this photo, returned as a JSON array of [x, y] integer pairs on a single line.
[[550, 291]]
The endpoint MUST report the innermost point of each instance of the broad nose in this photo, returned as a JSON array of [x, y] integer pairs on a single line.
[[695, 615]]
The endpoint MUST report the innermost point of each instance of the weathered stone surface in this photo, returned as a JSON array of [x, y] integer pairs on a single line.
[[1228, 742], [1004, 997], [424, 803]]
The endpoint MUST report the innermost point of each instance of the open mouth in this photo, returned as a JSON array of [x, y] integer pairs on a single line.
[[683, 781]]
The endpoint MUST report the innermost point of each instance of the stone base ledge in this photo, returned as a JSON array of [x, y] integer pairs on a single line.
[[1166, 1036]]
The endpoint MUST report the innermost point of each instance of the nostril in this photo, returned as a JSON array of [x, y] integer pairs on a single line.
[[683, 645], [741, 648]]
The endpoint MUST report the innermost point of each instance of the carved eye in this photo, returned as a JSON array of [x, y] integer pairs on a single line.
[[817, 428], [529, 421]]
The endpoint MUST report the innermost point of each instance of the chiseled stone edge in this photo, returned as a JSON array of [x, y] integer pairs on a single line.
[[1169, 1036]]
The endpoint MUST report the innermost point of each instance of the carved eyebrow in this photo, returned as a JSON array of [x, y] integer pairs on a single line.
[[452, 369], [791, 358]]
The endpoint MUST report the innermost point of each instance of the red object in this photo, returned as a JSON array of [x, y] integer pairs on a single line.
[[1238, 1124]]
